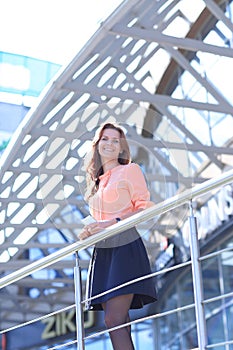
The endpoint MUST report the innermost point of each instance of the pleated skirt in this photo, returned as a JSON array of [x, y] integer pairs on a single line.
[[116, 261]]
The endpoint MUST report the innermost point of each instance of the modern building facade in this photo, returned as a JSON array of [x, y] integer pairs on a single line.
[[162, 69]]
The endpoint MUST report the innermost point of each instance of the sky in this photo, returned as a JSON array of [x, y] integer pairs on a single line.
[[51, 30]]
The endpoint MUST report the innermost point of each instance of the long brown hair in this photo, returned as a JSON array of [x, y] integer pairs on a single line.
[[92, 163]]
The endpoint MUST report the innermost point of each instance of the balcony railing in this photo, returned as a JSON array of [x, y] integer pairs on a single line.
[[169, 204]]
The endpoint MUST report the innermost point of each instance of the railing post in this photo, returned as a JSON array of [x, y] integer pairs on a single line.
[[197, 281], [79, 308]]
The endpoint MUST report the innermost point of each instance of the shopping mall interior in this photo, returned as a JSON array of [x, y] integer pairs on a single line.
[[162, 70]]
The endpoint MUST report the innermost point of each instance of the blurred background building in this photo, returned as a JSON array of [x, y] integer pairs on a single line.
[[163, 70]]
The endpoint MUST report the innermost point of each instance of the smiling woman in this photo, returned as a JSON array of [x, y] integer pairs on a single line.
[[116, 190], [109, 148]]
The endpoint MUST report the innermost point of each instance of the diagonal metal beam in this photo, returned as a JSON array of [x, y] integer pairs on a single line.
[[162, 39], [219, 14]]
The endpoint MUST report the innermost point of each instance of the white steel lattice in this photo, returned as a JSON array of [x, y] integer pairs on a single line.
[[143, 73]]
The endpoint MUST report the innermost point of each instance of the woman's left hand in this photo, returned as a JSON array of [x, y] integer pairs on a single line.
[[93, 228]]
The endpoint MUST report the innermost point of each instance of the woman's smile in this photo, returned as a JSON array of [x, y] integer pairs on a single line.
[[109, 144]]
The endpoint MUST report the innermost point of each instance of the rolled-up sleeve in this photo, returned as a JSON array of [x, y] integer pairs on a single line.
[[140, 195]]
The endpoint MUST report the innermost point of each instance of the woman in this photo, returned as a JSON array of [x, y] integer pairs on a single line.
[[116, 189]]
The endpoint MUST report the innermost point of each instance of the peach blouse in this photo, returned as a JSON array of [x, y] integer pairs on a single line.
[[122, 190]]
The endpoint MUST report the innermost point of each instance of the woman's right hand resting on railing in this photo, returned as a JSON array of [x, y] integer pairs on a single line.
[[95, 227]]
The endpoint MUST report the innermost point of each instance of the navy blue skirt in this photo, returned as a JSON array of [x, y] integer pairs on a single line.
[[114, 263]]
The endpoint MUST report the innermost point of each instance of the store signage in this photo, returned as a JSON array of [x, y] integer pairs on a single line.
[[64, 323], [212, 214]]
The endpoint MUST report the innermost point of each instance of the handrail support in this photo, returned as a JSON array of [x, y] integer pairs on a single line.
[[78, 303], [197, 281]]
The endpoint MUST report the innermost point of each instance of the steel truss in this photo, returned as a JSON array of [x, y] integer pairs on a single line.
[[118, 76]]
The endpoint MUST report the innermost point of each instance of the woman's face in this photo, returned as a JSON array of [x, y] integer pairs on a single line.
[[109, 145]]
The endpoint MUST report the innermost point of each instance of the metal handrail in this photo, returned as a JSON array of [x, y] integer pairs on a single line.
[[147, 214], [151, 275]]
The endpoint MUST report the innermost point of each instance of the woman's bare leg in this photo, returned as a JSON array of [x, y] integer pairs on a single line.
[[117, 313]]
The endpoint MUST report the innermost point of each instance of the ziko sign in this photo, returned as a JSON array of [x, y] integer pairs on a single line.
[[64, 323], [212, 214]]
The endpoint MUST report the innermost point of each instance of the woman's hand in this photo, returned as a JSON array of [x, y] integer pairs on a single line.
[[95, 227]]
